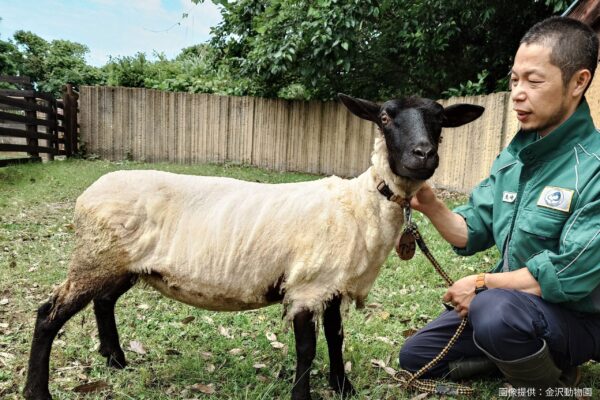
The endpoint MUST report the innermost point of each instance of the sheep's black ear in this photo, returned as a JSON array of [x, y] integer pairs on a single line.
[[460, 114], [364, 109]]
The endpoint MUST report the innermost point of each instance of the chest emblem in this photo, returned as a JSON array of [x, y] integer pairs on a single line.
[[509, 197], [556, 198]]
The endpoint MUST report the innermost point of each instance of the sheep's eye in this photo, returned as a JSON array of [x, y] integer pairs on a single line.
[[385, 119]]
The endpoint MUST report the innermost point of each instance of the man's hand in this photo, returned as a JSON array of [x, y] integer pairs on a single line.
[[424, 199], [461, 294]]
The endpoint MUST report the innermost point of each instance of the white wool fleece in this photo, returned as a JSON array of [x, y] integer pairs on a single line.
[[221, 243]]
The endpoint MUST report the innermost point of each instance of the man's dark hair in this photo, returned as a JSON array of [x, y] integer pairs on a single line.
[[574, 44]]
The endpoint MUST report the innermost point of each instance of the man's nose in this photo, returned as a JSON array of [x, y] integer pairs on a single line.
[[517, 93]]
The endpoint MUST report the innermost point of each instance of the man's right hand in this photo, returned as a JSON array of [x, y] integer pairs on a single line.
[[424, 199], [451, 226]]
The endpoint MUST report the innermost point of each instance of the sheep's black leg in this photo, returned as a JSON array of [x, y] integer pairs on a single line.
[[306, 344], [104, 308], [50, 318], [332, 324]]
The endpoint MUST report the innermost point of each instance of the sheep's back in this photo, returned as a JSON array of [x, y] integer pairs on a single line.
[[222, 243]]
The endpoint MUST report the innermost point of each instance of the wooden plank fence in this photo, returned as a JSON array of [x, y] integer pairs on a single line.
[[36, 123], [315, 137]]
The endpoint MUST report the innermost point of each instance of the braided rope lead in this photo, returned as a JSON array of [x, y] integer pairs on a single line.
[[412, 380]]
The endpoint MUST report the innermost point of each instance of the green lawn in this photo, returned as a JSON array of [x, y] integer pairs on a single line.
[[187, 347]]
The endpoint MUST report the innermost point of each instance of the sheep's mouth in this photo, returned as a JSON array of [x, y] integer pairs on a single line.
[[419, 174]]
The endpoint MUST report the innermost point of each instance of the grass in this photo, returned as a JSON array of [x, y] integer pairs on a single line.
[[186, 347]]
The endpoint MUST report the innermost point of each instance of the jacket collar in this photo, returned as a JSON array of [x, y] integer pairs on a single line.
[[528, 150]]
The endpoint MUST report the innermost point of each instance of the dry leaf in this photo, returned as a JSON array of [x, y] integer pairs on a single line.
[[384, 315], [259, 365], [208, 319], [143, 306], [225, 332], [271, 337], [187, 320], [378, 363], [390, 371], [206, 389], [262, 378], [92, 387], [7, 356], [4, 301], [348, 367], [236, 351], [384, 340], [137, 347], [211, 368], [408, 332], [420, 396], [277, 345], [206, 355]]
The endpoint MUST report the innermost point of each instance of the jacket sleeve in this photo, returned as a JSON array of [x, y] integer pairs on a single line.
[[478, 216], [574, 271]]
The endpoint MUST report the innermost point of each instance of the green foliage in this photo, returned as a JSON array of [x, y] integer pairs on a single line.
[[373, 48], [469, 88], [313, 49], [49, 64]]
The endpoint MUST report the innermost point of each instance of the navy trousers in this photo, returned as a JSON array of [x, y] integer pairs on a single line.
[[507, 324]]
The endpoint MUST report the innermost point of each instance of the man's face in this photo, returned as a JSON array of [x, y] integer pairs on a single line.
[[539, 97]]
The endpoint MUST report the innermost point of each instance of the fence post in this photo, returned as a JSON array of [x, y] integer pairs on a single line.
[[32, 129], [70, 104]]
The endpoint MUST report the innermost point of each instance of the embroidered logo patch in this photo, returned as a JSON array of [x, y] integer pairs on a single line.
[[509, 197], [556, 198]]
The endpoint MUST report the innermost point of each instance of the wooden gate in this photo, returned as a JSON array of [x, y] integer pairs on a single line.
[[36, 123]]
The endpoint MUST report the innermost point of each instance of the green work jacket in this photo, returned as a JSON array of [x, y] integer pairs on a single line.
[[540, 206]]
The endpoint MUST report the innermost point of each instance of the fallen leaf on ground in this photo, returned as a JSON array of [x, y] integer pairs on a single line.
[[277, 345], [211, 368], [378, 363], [137, 347], [259, 365], [4, 301], [384, 315], [420, 396], [385, 340], [187, 320], [206, 355], [236, 351], [408, 332], [390, 371], [271, 336], [348, 367], [92, 387], [225, 332], [206, 389]]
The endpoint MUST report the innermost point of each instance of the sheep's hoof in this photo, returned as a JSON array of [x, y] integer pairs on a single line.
[[30, 394], [342, 386], [116, 360]]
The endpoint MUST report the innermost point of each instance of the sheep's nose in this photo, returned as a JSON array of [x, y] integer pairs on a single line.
[[423, 152]]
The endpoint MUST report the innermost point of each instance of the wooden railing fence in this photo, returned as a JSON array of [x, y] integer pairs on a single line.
[[36, 123]]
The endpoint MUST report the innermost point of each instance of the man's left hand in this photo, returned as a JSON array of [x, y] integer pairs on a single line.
[[461, 294]]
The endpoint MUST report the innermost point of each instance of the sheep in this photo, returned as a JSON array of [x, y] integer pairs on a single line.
[[229, 245]]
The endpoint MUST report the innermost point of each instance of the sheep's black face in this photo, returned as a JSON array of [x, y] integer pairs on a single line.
[[412, 130]]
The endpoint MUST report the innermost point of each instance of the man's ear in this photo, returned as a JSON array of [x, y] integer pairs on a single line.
[[364, 109], [580, 81], [460, 114]]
